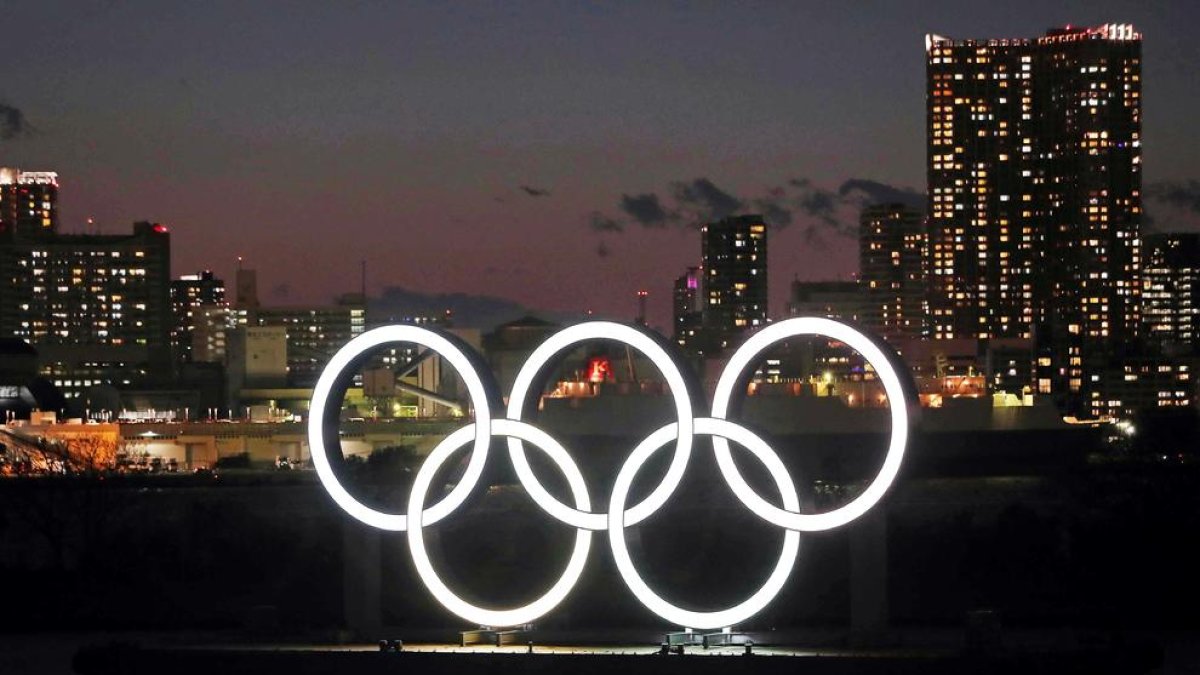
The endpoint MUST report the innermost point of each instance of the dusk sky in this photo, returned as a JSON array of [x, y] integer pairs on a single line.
[[556, 154]]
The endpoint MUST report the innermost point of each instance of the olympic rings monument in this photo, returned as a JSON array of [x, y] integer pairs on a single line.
[[615, 513]]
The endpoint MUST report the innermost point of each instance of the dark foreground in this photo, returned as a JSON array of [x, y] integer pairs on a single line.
[[1116, 658]]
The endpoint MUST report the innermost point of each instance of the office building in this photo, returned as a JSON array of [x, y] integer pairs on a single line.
[[1034, 170], [892, 256]]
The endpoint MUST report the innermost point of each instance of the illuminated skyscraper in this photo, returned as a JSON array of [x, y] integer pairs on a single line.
[[892, 254], [981, 176], [28, 202], [1034, 167], [735, 276]]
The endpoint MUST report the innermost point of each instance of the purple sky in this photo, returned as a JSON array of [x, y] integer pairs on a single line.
[[309, 136]]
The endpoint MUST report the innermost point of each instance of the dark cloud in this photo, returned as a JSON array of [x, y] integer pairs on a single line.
[[815, 201], [798, 202], [708, 201], [774, 211], [646, 209], [867, 192], [281, 292], [535, 191], [1183, 194], [812, 237], [12, 123], [602, 223]]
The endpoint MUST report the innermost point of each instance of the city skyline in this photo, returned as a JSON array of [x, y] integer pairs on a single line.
[[283, 281], [588, 187]]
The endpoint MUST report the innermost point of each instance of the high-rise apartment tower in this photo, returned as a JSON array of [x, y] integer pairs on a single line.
[[1034, 170], [892, 255], [735, 276]]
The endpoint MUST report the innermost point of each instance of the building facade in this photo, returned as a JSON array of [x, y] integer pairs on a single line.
[[734, 252], [982, 235], [687, 308], [1034, 169], [314, 333], [892, 247], [95, 306], [830, 299], [1171, 292], [28, 202], [190, 295]]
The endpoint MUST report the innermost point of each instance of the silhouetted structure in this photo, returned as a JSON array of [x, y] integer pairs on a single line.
[[734, 250], [688, 308], [892, 257], [190, 295]]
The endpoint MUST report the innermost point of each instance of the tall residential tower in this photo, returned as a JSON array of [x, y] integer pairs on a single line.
[[1034, 169], [892, 256], [735, 276]]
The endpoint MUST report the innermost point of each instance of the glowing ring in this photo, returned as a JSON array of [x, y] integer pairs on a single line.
[[897, 404], [717, 428], [603, 330], [416, 540], [617, 518], [316, 420]]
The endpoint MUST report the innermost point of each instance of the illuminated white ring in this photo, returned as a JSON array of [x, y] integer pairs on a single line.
[[717, 428], [316, 420], [603, 330], [897, 404], [416, 540]]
